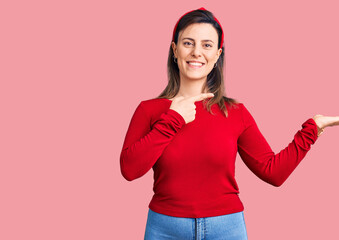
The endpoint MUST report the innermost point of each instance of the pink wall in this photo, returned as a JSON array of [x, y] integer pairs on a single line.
[[73, 72]]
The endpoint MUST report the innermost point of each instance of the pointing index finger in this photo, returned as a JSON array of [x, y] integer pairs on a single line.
[[201, 96]]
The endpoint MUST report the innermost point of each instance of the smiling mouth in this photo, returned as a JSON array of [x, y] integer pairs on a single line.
[[195, 65]]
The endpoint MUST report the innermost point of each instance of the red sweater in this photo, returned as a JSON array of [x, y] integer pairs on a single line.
[[194, 163]]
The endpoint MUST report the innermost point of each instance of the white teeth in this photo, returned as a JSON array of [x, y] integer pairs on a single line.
[[195, 63]]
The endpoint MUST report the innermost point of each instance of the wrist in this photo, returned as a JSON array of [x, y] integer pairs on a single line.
[[320, 125], [320, 130]]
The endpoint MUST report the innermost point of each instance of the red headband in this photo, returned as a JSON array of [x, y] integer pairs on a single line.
[[222, 32]]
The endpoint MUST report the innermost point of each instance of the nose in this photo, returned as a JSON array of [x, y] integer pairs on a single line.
[[196, 51]]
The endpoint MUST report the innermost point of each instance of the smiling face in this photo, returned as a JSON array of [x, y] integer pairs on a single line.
[[198, 43]]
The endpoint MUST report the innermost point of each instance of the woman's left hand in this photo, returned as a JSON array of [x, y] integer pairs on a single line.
[[325, 121]]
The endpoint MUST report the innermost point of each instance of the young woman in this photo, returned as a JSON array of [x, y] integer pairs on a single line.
[[190, 135]]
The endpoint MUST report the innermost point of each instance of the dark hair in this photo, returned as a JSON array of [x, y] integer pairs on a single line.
[[215, 79]]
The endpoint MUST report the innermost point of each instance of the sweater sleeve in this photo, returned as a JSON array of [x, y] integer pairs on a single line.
[[144, 143], [262, 161]]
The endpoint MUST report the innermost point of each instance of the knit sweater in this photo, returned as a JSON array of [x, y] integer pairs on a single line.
[[194, 163]]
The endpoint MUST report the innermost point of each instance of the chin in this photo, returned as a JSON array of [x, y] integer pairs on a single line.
[[196, 77]]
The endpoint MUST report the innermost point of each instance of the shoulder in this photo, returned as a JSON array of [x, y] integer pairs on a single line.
[[240, 110], [233, 105], [154, 106], [154, 103], [243, 109]]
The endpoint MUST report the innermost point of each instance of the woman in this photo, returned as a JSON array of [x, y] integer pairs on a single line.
[[190, 136]]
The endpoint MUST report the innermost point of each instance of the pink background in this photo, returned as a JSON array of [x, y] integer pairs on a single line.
[[73, 72]]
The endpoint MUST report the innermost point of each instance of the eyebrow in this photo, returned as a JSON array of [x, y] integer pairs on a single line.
[[206, 40]]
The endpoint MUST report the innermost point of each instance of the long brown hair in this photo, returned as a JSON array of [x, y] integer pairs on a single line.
[[215, 79]]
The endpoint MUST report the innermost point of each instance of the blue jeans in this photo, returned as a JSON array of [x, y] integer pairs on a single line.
[[224, 227]]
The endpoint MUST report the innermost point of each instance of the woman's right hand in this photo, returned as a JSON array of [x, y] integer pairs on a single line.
[[186, 107]]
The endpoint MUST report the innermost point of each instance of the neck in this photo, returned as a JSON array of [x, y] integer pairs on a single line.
[[191, 87]]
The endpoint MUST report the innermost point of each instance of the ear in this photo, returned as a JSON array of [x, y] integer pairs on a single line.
[[174, 47], [219, 53]]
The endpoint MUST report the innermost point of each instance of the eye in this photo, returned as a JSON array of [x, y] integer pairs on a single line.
[[186, 42], [208, 44]]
